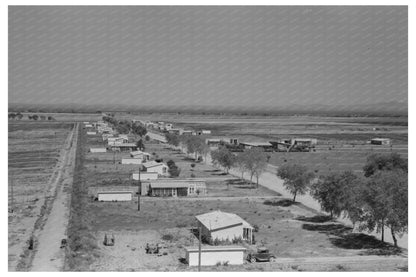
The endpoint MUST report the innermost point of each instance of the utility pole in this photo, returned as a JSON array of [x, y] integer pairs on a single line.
[[11, 202], [138, 193], [199, 248]]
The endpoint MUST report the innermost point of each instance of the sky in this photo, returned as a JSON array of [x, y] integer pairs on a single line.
[[240, 56]]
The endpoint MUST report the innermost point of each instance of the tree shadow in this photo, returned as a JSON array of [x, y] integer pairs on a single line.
[[371, 244], [279, 203], [212, 170], [182, 261], [188, 159], [335, 229], [219, 174], [315, 219]]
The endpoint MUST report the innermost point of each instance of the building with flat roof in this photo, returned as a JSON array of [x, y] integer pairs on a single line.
[[174, 187]]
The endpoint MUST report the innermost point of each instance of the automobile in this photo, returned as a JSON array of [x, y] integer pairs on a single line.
[[262, 255]]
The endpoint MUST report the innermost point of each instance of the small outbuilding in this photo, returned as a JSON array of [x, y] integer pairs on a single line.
[[114, 196], [98, 150], [131, 161], [381, 141], [174, 187], [91, 133], [213, 255]]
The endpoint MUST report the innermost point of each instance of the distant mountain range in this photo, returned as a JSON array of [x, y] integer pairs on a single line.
[[394, 108]]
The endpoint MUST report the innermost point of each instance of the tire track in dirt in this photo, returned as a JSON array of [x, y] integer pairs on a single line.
[[51, 226]]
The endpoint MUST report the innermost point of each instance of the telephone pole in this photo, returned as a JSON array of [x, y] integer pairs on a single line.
[[199, 248], [138, 193]]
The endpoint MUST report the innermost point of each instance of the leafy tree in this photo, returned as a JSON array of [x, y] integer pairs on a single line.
[[254, 161], [172, 139], [224, 158], [376, 162], [140, 145], [383, 201], [19, 116], [170, 163], [296, 178], [174, 171], [147, 138], [42, 117], [51, 118], [12, 115], [194, 145], [139, 129], [334, 191], [35, 117], [240, 163]]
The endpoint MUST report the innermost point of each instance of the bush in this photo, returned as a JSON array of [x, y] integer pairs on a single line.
[[192, 175], [167, 237]]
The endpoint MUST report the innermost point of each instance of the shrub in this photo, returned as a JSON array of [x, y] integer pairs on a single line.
[[181, 225], [167, 237], [192, 175]]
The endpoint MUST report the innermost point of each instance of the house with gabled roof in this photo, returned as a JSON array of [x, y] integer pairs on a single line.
[[218, 225], [153, 166]]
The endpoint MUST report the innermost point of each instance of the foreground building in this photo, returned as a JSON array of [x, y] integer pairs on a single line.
[[213, 255], [218, 225]]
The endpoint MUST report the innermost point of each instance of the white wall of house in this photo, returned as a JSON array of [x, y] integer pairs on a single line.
[[212, 257], [131, 161], [145, 176], [116, 196], [161, 169], [91, 133], [230, 233]]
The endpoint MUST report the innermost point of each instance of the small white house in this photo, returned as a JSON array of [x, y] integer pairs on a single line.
[[218, 225], [159, 168], [145, 176], [131, 161], [206, 132], [98, 150], [115, 196], [91, 133], [212, 255], [88, 126], [140, 154]]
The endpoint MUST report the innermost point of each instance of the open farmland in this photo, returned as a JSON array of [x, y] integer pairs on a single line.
[[34, 150]]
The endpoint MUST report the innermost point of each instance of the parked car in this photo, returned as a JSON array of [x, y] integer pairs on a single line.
[[262, 255]]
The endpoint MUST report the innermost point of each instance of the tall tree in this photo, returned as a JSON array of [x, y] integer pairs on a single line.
[[383, 201], [223, 157], [297, 178], [333, 192], [140, 145], [254, 162]]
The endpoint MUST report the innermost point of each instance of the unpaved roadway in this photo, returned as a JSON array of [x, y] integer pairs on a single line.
[[48, 254]]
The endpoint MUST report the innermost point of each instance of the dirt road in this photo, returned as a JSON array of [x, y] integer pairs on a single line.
[[48, 255]]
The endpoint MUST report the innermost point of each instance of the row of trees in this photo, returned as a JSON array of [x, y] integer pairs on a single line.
[[253, 161], [191, 144], [19, 116], [374, 201]]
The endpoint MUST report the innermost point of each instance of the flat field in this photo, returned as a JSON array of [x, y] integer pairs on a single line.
[[34, 150]]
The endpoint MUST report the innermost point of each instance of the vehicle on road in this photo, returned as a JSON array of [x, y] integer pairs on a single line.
[[262, 255]]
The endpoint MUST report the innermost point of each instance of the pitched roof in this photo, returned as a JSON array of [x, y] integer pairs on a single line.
[[153, 164], [218, 219]]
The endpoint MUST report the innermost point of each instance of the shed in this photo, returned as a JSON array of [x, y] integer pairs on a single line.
[[131, 161], [153, 166], [212, 255], [381, 141], [98, 150], [91, 133], [174, 187], [115, 195]]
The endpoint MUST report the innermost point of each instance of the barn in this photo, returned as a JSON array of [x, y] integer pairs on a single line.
[[114, 196], [212, 255], [218, 225]]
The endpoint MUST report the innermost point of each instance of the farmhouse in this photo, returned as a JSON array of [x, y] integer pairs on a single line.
[[91, 133], [115, 195], [381, 141], [140, 154], [218, 225], [221, 140], [116, 140], [266, 146], [212, 255], [304, 141], [144, 176], [131, 161], [98, 150], [174, 187], [153, 166]]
